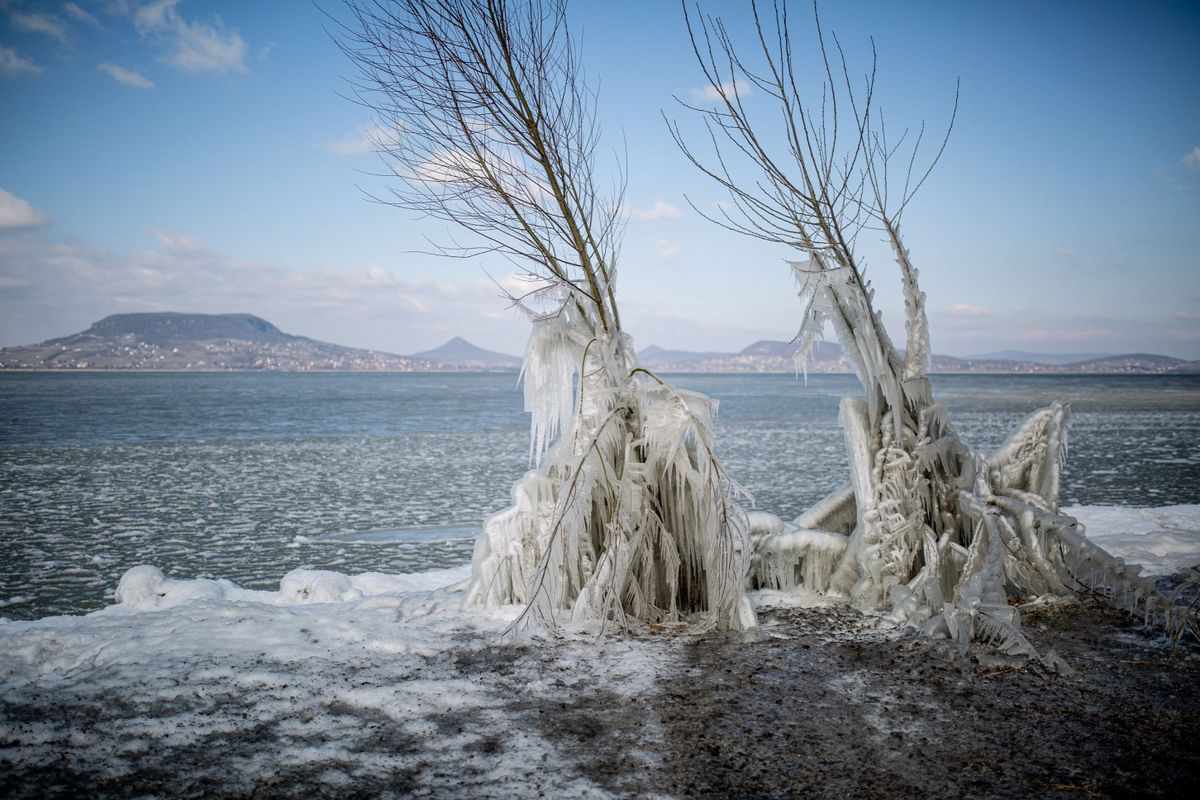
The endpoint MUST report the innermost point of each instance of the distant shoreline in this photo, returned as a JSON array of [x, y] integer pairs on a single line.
[[452, 370]]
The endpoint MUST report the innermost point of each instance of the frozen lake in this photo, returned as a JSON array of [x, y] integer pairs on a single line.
[[247, 476]]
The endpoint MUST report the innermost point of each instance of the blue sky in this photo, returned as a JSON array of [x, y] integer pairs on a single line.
[[201, 156]]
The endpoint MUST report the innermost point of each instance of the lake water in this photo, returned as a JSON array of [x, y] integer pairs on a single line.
[[247, 476]]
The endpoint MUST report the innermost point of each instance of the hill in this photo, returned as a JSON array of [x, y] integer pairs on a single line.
[[774, 356], [171, 341], [461, 354], [1038, 358]]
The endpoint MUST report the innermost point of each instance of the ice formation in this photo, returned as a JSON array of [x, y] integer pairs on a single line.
[[629, 517], [932, 532], [935, 533]]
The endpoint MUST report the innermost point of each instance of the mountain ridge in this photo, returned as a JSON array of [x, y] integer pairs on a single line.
[[827, 357], [199, 342], [169, 340]]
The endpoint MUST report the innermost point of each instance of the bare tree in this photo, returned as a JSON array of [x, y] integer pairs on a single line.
[[939, 535], [629, 516]]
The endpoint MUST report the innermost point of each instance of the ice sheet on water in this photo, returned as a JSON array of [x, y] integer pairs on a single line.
[[389, 536], [75, 518]]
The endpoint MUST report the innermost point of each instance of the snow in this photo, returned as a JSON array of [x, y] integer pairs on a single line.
[[358, 679], [1163, 540]]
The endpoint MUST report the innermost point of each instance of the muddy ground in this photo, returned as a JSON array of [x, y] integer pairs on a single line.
[[818, 703], [867, 715]]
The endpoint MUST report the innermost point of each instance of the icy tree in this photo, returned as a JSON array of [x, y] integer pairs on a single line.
[[929, 530], [628, 517]]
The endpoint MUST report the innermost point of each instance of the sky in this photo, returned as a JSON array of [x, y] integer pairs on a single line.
[[183, 155]]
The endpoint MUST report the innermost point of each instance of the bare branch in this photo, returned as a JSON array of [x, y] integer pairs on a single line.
[[492, 128]]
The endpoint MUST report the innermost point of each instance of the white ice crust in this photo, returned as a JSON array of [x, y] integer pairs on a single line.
[[327, 661]]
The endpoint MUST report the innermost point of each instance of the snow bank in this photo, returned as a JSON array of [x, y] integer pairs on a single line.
[[1164, 540], [145, 588]]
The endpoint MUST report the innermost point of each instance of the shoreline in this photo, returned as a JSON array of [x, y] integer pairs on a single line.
[[453, 370]]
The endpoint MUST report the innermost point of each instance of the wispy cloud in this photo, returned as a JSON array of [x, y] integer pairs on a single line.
[[1192, 159], [660, 210], [80, 15], [665, 250], [181, 271], [714, 92], [967, 310], [126, 76], [14, 65], [365, 139], [16, 212], [39, 22], [195, 45]]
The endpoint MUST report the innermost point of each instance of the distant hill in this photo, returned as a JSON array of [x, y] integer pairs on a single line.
[[171, 341], [762, 356], [775, 356], [461, 354], [1039, 358], [1137, 362], [680, 360], [170, 328]]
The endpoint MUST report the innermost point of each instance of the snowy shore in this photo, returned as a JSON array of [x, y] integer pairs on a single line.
[[381, 685]]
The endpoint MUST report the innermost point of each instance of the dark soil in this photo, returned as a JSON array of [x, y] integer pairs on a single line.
[[809, 714]]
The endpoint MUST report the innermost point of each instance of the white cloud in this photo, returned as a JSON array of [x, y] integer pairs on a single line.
[[80, 15], [665, 250], [18, 213], [365, 139], [1192, 159], [459, 170], [37, 22], [181, 271], [660, 210], [126, 76], [965, 310], [154, 16], [197, 46], [13, 65], [712, 93], [52, 286]]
